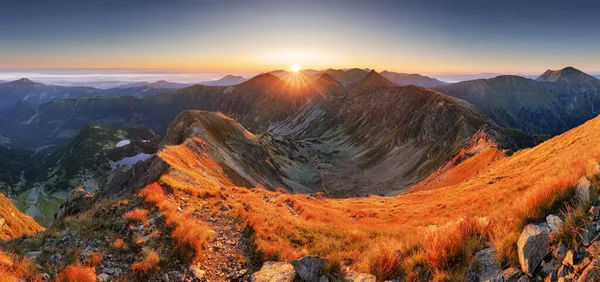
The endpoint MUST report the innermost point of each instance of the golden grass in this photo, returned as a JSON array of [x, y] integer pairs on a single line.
[[149, 265], [77, 273], [15, 268], [136, 215], [189, 234], [511, 192]]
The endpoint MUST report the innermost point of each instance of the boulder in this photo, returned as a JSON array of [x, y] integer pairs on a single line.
[[353, 276], [594, 249], [583, 192], [594, 212], [103, 277], [570, 258], [488, 268], [591, 272], [560, 251], [532, 246], [589, 233], [511, 274], [309, 268], [554, 223], [273, 271]]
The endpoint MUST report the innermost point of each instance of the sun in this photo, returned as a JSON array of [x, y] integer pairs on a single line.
[[295, 68]]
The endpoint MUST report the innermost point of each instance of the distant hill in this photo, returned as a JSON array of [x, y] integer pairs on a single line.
[[553, 103], [403, 79], [227, 80], [161, 84]]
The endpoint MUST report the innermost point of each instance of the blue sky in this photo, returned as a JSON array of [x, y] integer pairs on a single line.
[[430, 37]]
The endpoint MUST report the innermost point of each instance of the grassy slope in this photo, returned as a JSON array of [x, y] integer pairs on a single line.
[[514, 190]]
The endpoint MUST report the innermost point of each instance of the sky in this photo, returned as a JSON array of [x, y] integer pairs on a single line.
[[427, 37]]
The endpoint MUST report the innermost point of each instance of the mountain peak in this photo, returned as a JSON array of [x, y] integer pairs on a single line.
[[566, 75], [23, 81], [374, 79], [263, 79]]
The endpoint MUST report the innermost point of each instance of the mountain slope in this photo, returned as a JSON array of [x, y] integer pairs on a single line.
[[227, 80], [13, 223], [533, 106]]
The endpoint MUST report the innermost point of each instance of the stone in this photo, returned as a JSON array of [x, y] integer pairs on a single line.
[[33, 255], [272, 271], [353, 276], [511, 274], [570, 258], [594, 212], [532, 246], [45, 276], [323, 279], [589, 234], [594, 249], [582, 264], [563, 271], [560, 251], [582, 191], [488, 268], [309, 268], [550, 268], [197, 272], [591, 272], [103, 277], [554, 223], [524, 278]]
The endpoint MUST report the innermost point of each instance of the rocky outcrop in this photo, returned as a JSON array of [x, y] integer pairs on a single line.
[[582, 191], [309, 268], [272, 271], [532, 246]]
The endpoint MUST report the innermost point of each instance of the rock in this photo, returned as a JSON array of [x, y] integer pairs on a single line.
[[554, 223], [511, 274], [549, 268], [524, 278], [560, 251], [197, 273], [103, 277], [589, 234], [45, 276], [309, 268], [582, 191], [563, 271], [570, 258], [33, 255], [272, 271], [594, 212], [488, 268], [353, 276], [323, 279], [594, 249], [532, 246], [591, 272]]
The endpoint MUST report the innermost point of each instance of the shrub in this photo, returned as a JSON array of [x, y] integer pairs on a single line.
[[149, 264], [454, 245], [77, 273], [153, 193], [136, 215], [574, 220], [15, 268], [386, 265], [120, 244]]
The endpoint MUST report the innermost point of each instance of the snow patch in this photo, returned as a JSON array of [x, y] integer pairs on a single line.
[[123, 143]]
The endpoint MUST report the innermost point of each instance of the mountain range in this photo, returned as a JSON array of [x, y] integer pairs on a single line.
[[339, 163]]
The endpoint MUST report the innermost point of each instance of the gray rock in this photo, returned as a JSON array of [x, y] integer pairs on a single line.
[[594, 249], [33, 255], [532, 246], [309, 268], [582, 191], [560, 251], [511, 274], [563, 271], [353, 276], [323, 279], [272, 271], [594, 212], [103, 277], [45, 276], [591, 272], [197, 273], [589, 234], [524, 278], [554, 223], [488, 268]]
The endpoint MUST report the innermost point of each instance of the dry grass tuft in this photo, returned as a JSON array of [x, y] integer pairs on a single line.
[[77, 273], [572, 231], [15, 268], [136, 215], [149, 265]]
